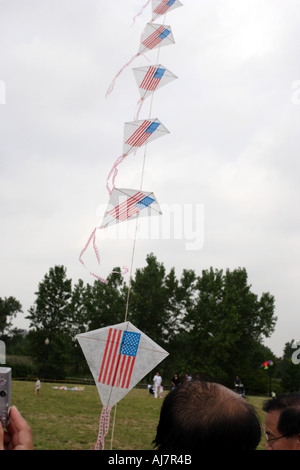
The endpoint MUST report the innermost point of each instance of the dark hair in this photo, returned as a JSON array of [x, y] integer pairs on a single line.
[[289, 419], [200, 415]]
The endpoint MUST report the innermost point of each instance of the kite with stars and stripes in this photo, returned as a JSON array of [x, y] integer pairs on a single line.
[[161, 7], [118, 356], [151, 78], [155, 35], [136, 134], [124, 205], [127, 204]]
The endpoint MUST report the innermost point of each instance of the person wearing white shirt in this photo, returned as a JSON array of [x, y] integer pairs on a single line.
[[157, 380]]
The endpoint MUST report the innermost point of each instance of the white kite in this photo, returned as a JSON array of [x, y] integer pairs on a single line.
[[118, 356], [161, 7], [124, 204], [136, 135], [151, 78]]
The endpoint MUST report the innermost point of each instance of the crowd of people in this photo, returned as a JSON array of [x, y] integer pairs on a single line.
[[198, 415]]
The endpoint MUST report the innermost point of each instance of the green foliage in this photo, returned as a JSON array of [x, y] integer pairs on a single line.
[[9, 307]]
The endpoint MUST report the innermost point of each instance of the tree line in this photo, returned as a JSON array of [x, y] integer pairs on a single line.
[[212, 324]]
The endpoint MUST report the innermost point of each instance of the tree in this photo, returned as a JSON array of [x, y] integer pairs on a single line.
[[9, 307], [50, 311], [224, 322], [50, 321]]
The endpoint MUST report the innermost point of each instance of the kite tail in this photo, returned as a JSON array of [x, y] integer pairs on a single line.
[[114, 172], [96, 251], [111, 86], [140, 12], [92, 238], [103, 426]]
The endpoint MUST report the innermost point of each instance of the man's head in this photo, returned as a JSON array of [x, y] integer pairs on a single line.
[[282, 423], [200, 415]]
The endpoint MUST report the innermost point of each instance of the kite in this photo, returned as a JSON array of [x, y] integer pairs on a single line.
[[136, 134], [154, 36], [161, 7], [149, 79], [118, 356], [266, 364], [124, 204]]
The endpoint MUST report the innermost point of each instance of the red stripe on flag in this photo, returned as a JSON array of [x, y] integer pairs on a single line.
[[130, 372], [121, 371], [115, 372], [105, 353], [126, 370]]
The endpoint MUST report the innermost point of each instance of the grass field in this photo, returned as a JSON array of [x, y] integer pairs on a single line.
[[69, 420]]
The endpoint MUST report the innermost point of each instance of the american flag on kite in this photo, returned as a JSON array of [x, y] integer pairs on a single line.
[[124, 204], [119, 357], [151, 78], [127, 204], [161, 7], [155, 35], [136, 134]]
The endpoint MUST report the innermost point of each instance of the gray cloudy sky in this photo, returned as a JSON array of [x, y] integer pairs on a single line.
[[233, 148]]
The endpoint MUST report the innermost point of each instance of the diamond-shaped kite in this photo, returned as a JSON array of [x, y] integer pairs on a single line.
[[127, 204], [151, 78], [161, 7], [136, 134], [118, 356], [124, 204]]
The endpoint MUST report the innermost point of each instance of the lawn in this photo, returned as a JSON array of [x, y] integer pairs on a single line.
[[69, 420]]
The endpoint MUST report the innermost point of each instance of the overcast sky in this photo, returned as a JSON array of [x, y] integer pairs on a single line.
[[227, 174]]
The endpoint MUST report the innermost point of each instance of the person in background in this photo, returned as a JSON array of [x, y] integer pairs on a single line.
[[282, 422], [157, 381], [37, 386], [175, 381]]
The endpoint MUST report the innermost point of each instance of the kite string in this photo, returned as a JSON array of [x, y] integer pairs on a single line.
[[137, 219], [113, 427]]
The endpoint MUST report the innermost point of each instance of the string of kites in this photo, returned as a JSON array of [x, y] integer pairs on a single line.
[[119, 356]]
